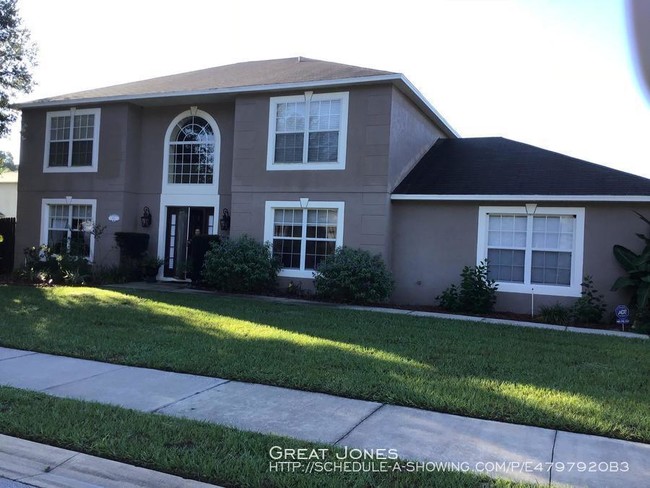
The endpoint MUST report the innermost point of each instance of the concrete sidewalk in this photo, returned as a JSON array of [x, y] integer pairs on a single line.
[[33, 464], [499, 449]]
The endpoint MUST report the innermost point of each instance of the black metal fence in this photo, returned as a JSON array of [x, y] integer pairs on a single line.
[[8, 233]]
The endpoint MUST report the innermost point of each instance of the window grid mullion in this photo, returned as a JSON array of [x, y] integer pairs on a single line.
[[303, 240], [528, 255], [305, 143], [70, 138]]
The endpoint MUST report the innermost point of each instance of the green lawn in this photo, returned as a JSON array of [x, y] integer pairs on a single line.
[[191, 449], [575, 382]]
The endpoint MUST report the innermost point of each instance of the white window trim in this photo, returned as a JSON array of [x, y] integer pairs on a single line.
[[72, 169], [192, 188], [45, 215], [577, 255], [271, 165], [271, 206]]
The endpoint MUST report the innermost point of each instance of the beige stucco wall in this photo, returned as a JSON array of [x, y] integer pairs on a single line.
[[362, 184], [129, 176], [432, 241], [8, 193], [386, 136], [385, 133]]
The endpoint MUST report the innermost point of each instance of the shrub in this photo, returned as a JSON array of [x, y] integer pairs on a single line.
[[556, 314], [637, 279], [132, 244], [590, 307], [43, 266], [353, 276], [476, 293], [199, 246], [241, 265]]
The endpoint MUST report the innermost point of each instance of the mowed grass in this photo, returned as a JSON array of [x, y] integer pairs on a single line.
[[192, 449], [576, 382]]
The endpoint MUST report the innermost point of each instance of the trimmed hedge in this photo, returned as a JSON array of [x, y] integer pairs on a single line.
[[353, 276], [241, 265], [132, 244]]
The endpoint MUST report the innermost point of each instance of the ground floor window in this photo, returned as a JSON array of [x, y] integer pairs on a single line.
[[67, 226], [302, 235], [539, 250]]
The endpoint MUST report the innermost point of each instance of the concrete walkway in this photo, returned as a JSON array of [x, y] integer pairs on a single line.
[[501, 450], [182, 287], [25, 463]]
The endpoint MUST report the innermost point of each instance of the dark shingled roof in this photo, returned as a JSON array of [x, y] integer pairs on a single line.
[[252, 73], [498, 166]]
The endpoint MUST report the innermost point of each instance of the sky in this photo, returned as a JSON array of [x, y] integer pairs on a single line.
[[557, 74]]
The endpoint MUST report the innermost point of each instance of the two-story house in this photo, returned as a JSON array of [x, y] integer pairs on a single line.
[[311, 155]]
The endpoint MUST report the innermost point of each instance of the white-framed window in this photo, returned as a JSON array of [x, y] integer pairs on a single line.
[[191, 155], [72, 140], [67, 225], [537, 252], [191, 152], [308, 132], [303, 235]]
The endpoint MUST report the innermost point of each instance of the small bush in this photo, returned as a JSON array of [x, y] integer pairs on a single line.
[[476, 293], [590, 307], [132, 244], [240, 265], [353, 276], [641, 322], [45, 267], [295, 290], [107, 275], [557, 314]]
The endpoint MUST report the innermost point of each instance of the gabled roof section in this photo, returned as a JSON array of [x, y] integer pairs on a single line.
[[494, 168], [253, 73]]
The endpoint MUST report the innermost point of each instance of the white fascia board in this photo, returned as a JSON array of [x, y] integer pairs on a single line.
[[520, 198], [216, 91]]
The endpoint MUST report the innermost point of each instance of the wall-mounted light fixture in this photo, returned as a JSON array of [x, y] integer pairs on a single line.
[[224, 221], [146, 217]]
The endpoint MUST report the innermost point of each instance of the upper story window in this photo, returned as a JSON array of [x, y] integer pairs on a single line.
[[539, 252], [191, 152], [308, 132], [72, 141]]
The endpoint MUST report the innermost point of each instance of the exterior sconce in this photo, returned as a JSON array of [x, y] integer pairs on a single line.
[[146, 217], [224, 221]]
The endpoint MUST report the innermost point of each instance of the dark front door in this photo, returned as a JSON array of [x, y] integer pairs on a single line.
[[182, 224]]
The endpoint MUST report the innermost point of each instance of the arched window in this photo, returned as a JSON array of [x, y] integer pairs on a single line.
[[191, 152]]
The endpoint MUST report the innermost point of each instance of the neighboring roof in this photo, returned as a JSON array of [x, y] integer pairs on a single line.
[[252, 76], [9, 177], [493, 168]]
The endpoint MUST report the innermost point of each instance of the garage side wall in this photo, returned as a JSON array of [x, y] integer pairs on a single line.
[[432, 241]]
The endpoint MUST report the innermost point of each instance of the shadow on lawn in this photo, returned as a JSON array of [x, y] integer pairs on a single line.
[[525, 376]]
